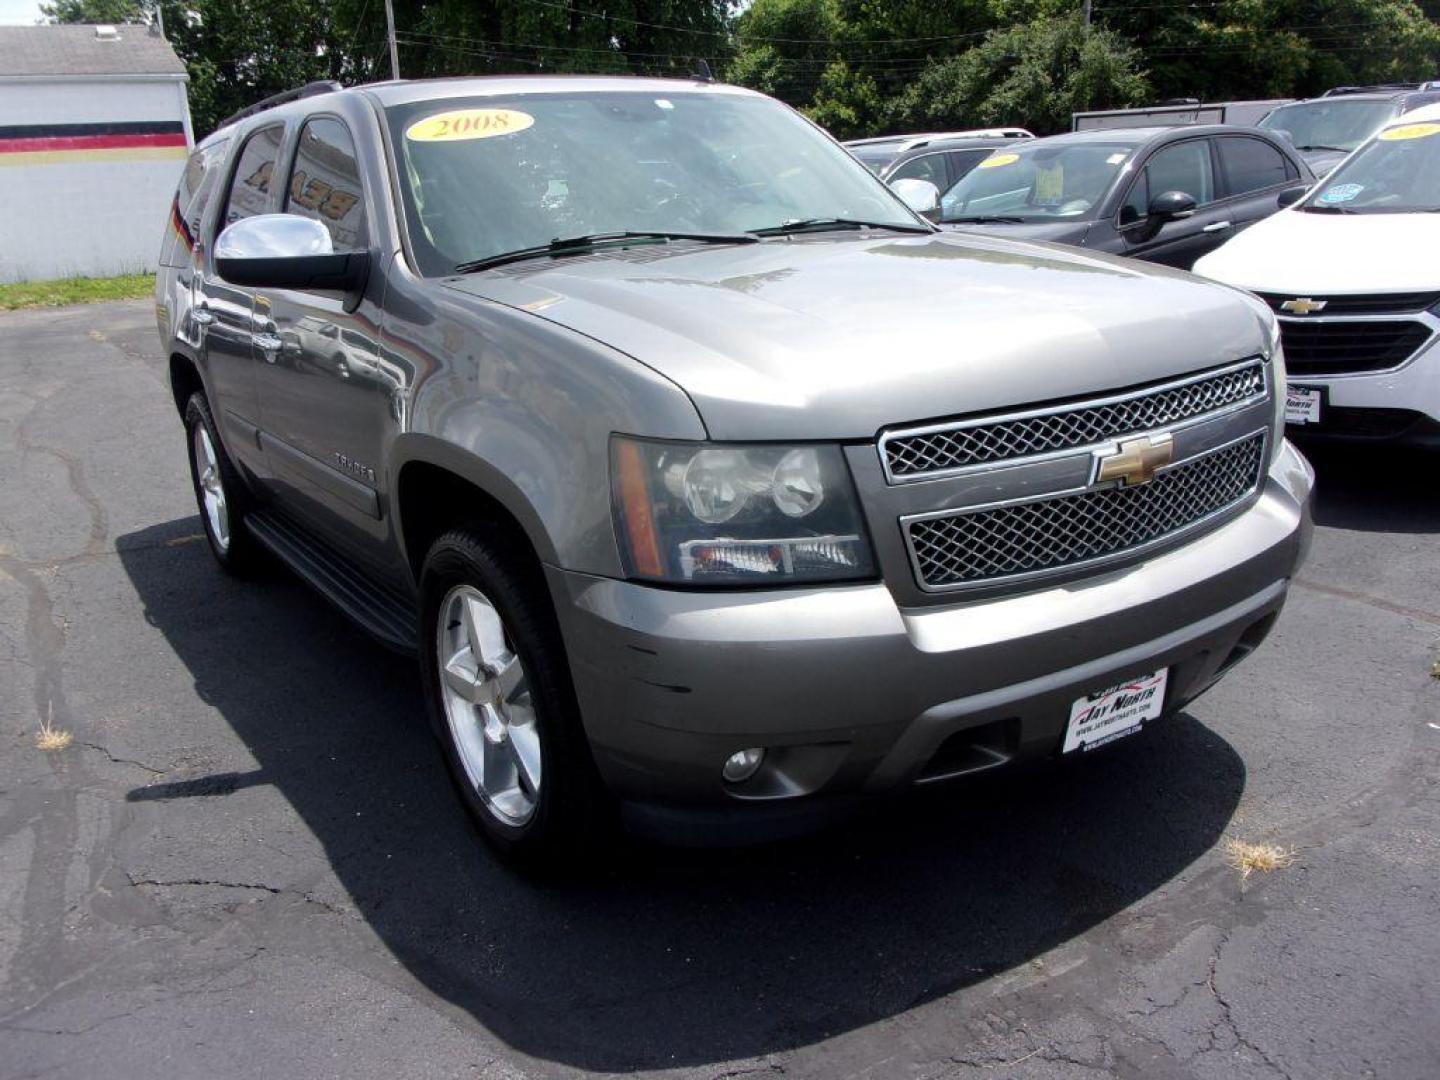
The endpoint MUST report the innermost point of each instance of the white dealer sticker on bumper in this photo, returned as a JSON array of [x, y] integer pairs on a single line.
[[1100, 718], [1302, 405]]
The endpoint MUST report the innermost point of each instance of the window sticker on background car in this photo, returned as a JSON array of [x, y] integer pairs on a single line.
[[1342, 193], [468, 124], [994, 161], [1116, 159], [1049, 185], [1409, 131]]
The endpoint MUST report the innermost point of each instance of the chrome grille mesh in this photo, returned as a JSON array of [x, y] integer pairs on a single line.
[[1069, 427], [1069, 530]]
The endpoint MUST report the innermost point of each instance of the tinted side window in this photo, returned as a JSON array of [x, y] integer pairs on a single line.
[[1181, 167], [325, 183], [252, 182], [929, 167], [1250, 164], [197, 185]]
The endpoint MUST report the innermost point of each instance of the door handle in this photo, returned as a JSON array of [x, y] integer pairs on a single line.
[[1217, 226], [203, 316], [269, 344]]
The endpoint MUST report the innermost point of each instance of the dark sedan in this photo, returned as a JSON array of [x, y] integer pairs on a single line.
[[1168, 195]]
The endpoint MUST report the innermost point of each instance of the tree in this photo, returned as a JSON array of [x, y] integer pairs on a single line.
[[1036, 74], [94, 11]]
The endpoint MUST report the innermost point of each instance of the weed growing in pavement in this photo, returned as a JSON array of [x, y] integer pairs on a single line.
[[1247, 857], [50, 737]]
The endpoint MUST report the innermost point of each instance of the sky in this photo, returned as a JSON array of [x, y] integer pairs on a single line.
[[19, 12]]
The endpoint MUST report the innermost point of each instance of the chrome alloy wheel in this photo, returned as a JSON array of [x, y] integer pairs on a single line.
[[488, 705], [212, 488]]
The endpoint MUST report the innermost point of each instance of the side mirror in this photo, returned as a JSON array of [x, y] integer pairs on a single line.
[[919, 195], [1172, 206], [1290, 196], [287, 251]]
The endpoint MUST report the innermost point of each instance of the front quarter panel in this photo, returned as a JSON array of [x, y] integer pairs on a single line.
[[524, 409]]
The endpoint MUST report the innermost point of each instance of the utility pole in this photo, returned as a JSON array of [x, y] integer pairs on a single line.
[[395, 55], [1085, 8]]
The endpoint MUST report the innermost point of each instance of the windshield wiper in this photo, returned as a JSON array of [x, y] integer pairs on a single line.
[[802, 225], [1321, 146], [984, 219], [1327, 210], [571, 245]]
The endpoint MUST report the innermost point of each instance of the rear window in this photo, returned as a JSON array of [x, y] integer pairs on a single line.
[[187, 209], [1252, 164]]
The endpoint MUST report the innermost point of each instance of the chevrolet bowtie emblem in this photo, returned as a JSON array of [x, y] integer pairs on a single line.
[[1135, 461], [1303, 305]]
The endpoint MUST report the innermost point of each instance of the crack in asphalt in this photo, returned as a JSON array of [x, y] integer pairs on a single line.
[[258, 886], [1368, 598], [120, 760]]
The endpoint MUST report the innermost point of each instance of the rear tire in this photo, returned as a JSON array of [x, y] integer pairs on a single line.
[[498, 691], [220, 493]]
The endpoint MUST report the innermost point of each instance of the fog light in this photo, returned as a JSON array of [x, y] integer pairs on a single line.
[[742, 765]]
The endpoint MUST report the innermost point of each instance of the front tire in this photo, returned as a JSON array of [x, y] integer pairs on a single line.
[[498, 692], [219, 492]]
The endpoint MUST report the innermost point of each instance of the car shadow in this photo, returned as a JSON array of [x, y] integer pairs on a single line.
[[663, 957], [1375, 488]]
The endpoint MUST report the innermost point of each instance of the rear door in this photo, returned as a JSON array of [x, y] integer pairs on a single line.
[[1187, 166], [226, 312], [1253, 173]]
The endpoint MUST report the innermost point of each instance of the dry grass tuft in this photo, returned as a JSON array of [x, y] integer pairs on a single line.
[[1435, 670], [1247, 857], [50, 737]]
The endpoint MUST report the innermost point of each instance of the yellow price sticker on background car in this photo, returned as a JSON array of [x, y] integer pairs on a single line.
[[1409, 131], [468, 124], [994, 161]]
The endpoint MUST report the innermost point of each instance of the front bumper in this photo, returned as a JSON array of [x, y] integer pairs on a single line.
[[1400, 407], [853, 695]]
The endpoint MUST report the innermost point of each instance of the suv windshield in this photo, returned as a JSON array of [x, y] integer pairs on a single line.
[[488, 175], [1397, 173], [1329, 123], [1038, 182]]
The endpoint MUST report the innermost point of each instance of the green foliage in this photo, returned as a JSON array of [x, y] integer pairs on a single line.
[[94, 11], [846, 103], [28, 294], [1036, 74]]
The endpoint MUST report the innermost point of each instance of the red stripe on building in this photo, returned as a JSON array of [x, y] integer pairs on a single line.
[[90, 142]]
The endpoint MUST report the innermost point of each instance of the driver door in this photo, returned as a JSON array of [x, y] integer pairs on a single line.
[[1187, 166]]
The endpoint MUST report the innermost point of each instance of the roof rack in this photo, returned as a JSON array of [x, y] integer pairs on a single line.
[[1378, 88], [310, 89]]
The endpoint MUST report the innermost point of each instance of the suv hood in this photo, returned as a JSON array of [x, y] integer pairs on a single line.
[[837, 337], [1306, 254]]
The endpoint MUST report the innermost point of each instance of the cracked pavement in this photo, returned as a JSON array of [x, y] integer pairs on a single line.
[[249, 861]]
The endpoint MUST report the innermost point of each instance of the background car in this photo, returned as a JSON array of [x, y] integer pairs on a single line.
[[1168, 195], [1351, 273], [911, 157], [1326, 128]]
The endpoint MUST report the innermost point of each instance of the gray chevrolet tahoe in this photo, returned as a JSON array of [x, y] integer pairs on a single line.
[[712, 486]]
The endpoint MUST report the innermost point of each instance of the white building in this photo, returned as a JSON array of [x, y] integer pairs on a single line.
[[94, 131]]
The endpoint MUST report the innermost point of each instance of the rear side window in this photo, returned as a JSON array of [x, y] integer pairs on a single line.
[[254, 176], [325, 183], [187, 210], [962, 161], [1251, 164]]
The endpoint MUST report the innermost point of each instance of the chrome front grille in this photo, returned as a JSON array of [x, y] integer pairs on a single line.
[[1056, 533], [942, 449]]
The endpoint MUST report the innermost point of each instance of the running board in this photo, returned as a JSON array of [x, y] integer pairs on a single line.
[[380, 613]]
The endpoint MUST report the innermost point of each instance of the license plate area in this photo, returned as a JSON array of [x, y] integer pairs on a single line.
[[1304, 404], [1103, 717]]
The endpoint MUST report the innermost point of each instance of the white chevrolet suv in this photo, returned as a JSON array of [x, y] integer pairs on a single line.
[[1352, 273]]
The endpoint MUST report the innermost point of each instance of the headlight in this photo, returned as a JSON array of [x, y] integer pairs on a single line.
[[1277, 380], [725, 514]]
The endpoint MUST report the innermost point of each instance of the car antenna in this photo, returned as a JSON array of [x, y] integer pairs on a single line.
[[702, 71]]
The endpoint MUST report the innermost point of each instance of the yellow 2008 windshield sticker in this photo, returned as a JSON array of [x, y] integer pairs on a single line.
[[994, 161], [1409, 131], [468, 124]]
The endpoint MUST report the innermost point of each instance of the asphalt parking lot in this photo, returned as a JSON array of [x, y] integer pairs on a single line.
[[249, 861]]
